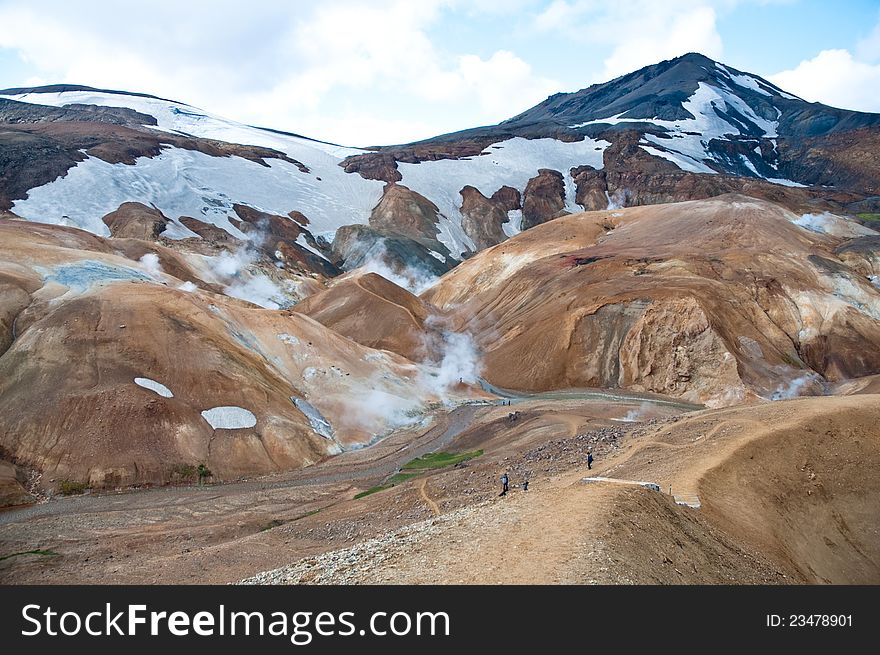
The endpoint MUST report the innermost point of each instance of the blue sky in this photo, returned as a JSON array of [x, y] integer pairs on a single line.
[[389, 71]]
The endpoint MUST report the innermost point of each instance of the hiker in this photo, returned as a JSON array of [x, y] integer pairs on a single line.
[[505, 481], [525, 485], [590, 460]]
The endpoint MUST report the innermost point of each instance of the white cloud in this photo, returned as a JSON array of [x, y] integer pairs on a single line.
[[836, 78], [868, 49], [503, 84], [691, 31], [639, 33], [301, 66]]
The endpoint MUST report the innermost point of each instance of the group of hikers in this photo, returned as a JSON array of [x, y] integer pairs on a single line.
[[505, 479]]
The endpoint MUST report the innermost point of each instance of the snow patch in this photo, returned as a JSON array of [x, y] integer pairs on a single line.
[[784, 182], [319, 424], [746, 81], [229, 418], [513, 226], [684, 162], [152, 385], [512, 162], [687, 142], [189, 183]]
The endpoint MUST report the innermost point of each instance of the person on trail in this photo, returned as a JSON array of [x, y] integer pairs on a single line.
[[525, 485], [505, 482], [590, 460]]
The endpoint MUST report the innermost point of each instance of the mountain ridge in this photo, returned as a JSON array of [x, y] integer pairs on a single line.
[[685, 128]]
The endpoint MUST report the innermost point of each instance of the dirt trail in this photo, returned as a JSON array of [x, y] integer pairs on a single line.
[[750, 466], [765, 475], [423, 492]]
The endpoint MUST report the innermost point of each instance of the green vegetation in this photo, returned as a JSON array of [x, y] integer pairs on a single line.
[[416, 467], [372, 490], [397, 478], [184, 472], [440, 460], [393, 481], [43, 553], [189, 473], [204, 472], [869, 217], [72, 488], [791, 361]]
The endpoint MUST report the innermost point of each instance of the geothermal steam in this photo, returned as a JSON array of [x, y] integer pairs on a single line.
[[150, 263], [242, 281], [375, 260]]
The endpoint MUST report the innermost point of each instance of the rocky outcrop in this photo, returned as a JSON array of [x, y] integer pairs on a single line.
[[374, 166], [273, 234], [672, 348], [507, 198], [207, 231], [405, 212], [134, 220], [845, 160], [543, 198], [12, 489], [381, 164], [591, 188], [359, 245], [482, 217]]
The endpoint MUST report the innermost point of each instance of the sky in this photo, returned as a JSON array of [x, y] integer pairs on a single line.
[[379, 72]]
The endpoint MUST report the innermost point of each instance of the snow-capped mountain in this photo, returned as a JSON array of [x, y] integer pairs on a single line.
[[681, 129]]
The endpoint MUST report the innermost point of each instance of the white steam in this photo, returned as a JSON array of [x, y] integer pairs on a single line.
[[617, 200], [459, 363], [634, 415], [376, 410], [826, 223], [188, 287], [415, 280], [241, 279], [820, 223], [259, 290], [150, 263], [795, 387], [452, 358]]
